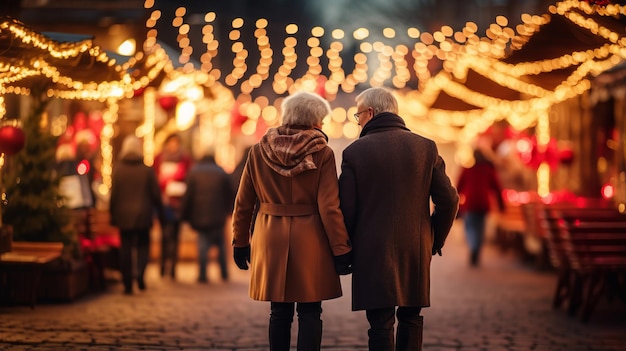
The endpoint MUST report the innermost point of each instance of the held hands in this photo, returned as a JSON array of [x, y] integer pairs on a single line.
[[343, 263], [242, 257]]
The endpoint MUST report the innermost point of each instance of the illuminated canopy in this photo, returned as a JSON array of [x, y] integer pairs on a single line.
[[60, 65]]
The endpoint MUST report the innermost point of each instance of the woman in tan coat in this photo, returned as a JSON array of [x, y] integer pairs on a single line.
[[287, 223]]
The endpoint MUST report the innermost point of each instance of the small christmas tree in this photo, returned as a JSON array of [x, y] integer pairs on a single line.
[[33, 205]]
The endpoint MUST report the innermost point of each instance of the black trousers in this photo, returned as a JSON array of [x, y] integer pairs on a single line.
[[138, 242], [169, 247], [382, 320], [309, 325]]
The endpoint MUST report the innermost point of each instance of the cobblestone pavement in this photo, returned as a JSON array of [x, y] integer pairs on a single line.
[[501, 305]]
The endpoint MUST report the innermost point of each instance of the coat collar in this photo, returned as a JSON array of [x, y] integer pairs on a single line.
[[383, 120], [288, 149]]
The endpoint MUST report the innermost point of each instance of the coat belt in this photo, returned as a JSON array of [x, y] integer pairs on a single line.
[[291, 210]]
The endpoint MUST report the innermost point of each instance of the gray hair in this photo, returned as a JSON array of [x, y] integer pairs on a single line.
[[131, 146], [304, 109], [379, 99]]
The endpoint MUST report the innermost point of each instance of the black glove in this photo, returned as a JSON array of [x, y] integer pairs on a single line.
[[437, 249], [343, 263], [242, 257]]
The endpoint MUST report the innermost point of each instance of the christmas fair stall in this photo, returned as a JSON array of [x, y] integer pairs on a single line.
[[556, 145], [41, 72]]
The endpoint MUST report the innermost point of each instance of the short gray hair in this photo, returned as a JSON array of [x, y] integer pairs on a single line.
[[131, 146], [304, 109], [379, 99]]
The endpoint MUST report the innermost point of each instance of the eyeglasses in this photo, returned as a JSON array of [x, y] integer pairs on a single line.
[[356, 115]]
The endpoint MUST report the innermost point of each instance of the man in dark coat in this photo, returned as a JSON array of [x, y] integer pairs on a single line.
[[207, 202], [389, 177], [135, 199]]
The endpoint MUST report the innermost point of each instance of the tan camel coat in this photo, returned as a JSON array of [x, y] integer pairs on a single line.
[[299, 226]]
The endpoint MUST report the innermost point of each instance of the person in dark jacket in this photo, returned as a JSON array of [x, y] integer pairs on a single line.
[[389, 176], [478, 185], [135, 199], [299, 245], [207, 203]]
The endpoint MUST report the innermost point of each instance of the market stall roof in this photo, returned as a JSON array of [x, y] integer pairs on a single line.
[[575, 33], [569, 46], [60, 64]]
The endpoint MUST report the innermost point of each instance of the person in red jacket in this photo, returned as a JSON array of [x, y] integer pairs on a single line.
[[171, 167], [475, 186]]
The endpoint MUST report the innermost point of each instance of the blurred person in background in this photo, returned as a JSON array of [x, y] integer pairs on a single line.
[[135, 200], [171, 166], [478, 186], [207, 203], [299, 245]]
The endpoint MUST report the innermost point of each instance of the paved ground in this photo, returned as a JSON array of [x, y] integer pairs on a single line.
[[503, 305]]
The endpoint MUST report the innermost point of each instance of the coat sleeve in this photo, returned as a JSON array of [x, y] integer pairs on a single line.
[[348, 194], [446, 202], [497, 188], [157, 200], [185, 204], [113, 199], [328, 206], [243, 212]]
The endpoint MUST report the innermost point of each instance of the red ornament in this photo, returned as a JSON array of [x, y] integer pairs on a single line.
[[12, 139], [138, 92], [598, 2], [168, 102]]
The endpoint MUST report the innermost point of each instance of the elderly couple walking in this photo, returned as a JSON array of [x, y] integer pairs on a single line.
[[299, 228]]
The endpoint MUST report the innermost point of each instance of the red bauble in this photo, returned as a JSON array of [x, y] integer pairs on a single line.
[[138, 92], [12, 139], [168, 102]]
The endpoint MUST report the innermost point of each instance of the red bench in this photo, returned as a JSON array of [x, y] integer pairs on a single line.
[[588, 248]]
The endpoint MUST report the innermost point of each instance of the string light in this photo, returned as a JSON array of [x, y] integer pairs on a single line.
[[376, 62]]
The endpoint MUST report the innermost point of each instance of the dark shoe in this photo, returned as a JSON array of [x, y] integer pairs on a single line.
[[141, 284], [203, 280], [128, 291]]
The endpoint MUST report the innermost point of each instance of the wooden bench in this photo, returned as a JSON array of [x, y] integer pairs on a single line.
[[30, 257], [510, 226], [589, 248], [99, 243]]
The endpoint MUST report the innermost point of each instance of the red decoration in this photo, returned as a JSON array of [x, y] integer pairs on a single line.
[[168, 102], [598, 2], [320, 89], [237, 119], [139, 92], [533, 154], [12, 139]]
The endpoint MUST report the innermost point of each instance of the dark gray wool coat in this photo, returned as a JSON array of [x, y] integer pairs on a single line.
[[135, 195], [388, 178], [208, 200]]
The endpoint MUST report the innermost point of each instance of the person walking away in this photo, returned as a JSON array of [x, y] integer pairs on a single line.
[[135, 199], [171, 166], [478, 185], [300, 244], [207, 203], [389, 176]]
